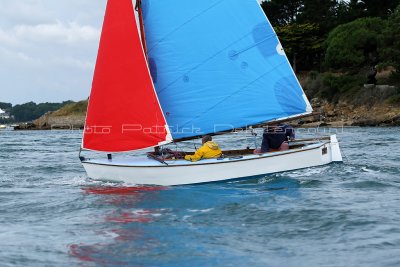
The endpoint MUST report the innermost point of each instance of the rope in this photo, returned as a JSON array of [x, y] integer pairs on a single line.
[[194, 144], [253, 133]]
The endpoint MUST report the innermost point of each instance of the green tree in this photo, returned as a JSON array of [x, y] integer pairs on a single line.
[[379, 8], [23, 112], [390, 51], [5, 106], [282, 12], [302, 43], [31, 111], [354, 44], [302, 26], [355, 10], [321, 12], [351, 45]]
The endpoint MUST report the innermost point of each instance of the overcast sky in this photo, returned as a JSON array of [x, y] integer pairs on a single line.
[[48, 49]]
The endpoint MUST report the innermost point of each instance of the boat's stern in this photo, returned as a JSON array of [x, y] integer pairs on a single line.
[[335, 149]]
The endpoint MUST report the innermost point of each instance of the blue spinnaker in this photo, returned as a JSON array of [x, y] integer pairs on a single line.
[[218, 65]]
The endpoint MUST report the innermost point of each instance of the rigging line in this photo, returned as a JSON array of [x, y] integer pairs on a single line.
[[204, 61], [254, 134], [176, 152], [185, 23], [234, 93], [194, 144], [255, 44]]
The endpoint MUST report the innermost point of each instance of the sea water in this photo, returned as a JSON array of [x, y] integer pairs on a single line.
[[346, 214]]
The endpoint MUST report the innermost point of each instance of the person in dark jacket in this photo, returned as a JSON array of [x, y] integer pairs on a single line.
[[276, 137]]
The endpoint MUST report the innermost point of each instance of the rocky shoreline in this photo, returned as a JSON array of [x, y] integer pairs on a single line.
[[69, 117], [344, 115], [339, 115], [367, 109], [53, 122]]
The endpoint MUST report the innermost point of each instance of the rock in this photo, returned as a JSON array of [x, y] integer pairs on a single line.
[[369, 86], [26, 126], [315, 102], [70, 117], [366, 123], [67, 122]]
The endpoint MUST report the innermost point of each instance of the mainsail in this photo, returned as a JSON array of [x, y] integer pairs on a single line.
[[124, 113], [218, 65]]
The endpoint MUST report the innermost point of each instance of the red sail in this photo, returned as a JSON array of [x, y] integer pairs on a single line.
[[124, 113]]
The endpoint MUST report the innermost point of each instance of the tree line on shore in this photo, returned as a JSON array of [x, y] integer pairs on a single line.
[[28, 111], [337, 35], [338, 43]]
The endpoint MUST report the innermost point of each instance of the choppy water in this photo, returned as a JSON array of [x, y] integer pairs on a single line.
[[336, 215]]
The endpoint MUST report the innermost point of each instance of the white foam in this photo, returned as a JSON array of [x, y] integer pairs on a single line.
[[201, 211]]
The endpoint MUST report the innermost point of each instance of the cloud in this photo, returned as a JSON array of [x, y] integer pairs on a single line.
[[7, 39], [73, 63], [48, 49], [23, 12], [59, 32], [70, 33]]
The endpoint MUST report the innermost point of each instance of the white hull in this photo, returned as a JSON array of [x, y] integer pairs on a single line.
[[146, 171]]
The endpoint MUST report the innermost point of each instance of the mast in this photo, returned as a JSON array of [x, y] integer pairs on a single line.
[[138, 8]]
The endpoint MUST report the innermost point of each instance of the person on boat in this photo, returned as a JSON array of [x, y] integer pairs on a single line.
[[157, 151], [167, 153], [209, 150], [276, 137]]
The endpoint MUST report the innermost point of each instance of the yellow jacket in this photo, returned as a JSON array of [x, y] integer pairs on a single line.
[[208, 151]]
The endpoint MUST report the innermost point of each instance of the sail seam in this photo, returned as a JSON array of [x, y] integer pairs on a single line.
[[253, 45]]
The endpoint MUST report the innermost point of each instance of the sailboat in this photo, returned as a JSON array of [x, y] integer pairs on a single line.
[[182, 69]]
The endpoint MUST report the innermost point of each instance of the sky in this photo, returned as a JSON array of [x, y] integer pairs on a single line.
[[48, 49]]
